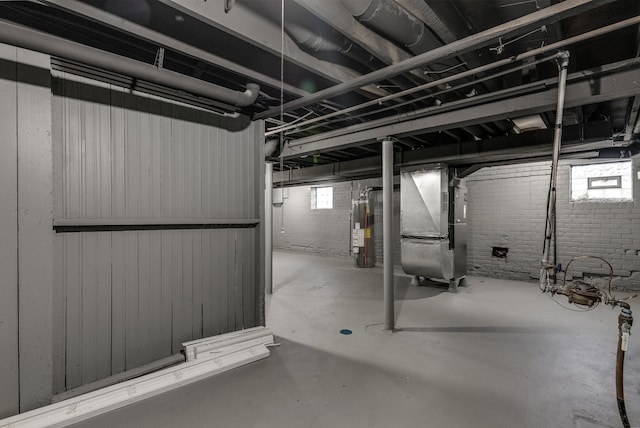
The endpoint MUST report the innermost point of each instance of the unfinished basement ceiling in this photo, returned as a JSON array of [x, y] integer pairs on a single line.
[[504, 113]]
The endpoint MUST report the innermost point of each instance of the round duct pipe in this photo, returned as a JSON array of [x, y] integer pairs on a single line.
[[397, 23], [41, 42], [271, 147]]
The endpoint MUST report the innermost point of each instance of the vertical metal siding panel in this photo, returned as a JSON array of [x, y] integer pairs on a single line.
[[157, 350], [207, 281], [248, 192], [195, 189], [132, 352], [168, 237], [118, 301], [35, 238], [259, 252], [87, 193], [245, 260], [198, 268], [144, 296], [177, 154], [104, 153], [177, 321], [187, 285], [132, 158], [206, 212], [144, 157], [118, 174], [73, 279], [73, 165], [225, 257], [103, 303], [59, 316], [166, 323], [216, 273], [233, 266], [205, 169], [167, 168], [225, 242], [158, 125], [9, 404], [89, 304], [245, 171], [59, 293]]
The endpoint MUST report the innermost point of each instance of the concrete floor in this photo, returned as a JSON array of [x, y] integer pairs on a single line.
[[497, 354]]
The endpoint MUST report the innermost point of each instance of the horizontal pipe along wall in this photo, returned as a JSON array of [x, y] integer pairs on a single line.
[[192, 180]]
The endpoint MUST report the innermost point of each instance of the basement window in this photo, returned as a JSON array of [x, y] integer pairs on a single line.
[[321, 198], [602, 182]]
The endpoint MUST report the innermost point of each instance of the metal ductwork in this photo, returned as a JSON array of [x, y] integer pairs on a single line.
[[433, 224], [317, 43], [388, 18], [272, 148], [41, 42], [395, 22], [334, 43]]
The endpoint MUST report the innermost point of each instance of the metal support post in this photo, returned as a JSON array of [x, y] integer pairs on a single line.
[[268, 228], [387, 232]]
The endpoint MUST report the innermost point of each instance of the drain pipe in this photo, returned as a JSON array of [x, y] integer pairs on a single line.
[[26, 38], [268, 228], [387, 232], [557, 137]]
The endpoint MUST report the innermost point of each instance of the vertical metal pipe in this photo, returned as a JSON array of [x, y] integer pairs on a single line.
[[387, 231], [268, 228], [557, 138]]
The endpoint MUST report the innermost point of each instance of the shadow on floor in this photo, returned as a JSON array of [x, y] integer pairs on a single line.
[[304, 387]]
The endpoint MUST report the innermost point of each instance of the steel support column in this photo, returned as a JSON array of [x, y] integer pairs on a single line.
[[387, 232], [268, 228]]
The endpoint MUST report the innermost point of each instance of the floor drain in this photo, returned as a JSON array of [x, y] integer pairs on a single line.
[[345, 331]]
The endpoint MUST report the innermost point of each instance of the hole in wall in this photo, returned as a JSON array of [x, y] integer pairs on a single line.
[[500, 252]]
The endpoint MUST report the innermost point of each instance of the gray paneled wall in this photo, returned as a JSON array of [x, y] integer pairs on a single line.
[[133, 296], [26, 237], [9, 393]]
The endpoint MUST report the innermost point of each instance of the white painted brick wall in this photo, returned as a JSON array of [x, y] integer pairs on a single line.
[[328, 232], [507, 208]]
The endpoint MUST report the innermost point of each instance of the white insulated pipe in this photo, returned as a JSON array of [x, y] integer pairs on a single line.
[[387, 232], [26, 38], [268, 228], [557, 139]]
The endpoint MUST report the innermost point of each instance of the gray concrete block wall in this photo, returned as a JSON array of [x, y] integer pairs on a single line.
[[507, 206], [328, 232]]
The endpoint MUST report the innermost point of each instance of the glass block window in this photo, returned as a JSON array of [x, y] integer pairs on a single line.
[[321, 198], [610, 181]]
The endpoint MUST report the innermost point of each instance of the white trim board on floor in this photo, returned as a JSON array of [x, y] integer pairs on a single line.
[[86, 406]]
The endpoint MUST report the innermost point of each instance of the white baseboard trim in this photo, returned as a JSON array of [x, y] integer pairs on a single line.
[[88, 405]]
